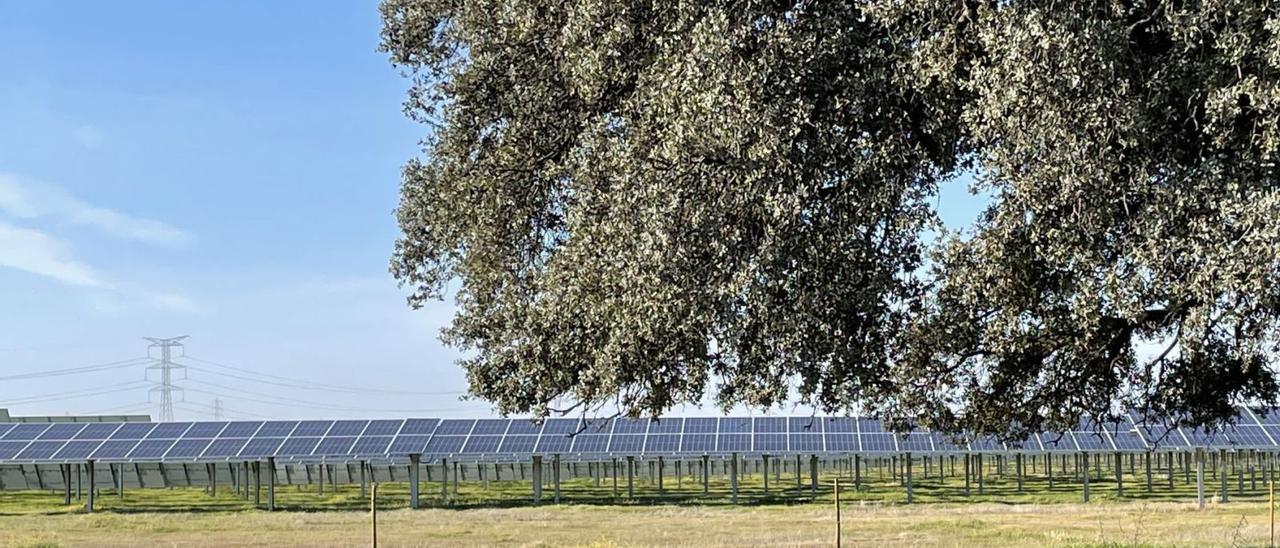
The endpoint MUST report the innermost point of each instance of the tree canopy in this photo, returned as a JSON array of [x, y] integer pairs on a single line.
[[642, 202]]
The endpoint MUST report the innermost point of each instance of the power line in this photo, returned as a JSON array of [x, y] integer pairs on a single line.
[[202, 409], [310, 385], [76, 370], [131, 385], [280, 402], [318, 388], [123, 408]]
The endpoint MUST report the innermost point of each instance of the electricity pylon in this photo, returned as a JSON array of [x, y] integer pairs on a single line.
[[165, 388]]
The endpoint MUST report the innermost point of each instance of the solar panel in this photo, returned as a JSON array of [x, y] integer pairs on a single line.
[[347, 428], [276, 429], [942, 442], [1031, 443], [626, 443], [455, 427], [241, 429], [590, 443], [517, 444], [495, 437], [151, 449], [523, 427], [77, 450], [1092, 441], [839, 424], [312, 428], [1248, 436], [701, 425], [114, 449], [806, 442], [25, 432], [445, 444], [97, 431], [169, 430], [630, 426], [770, 424], [669, 425], [866, 425], [482, 444], [1159, 434], [553, 443], [261, 447], [204, 430], [41, 450], [1267, 415], [297, 447], [188, 449], [698, 443], [770, 442], [419, 427], [1126, 439], [984, 444], [733, 442], [804, 424], [383, 428], [560, 426], [409, 445], [1057, 441], [133, 431], [915, 442], [490, 427], [1199, 437], [662, 443], [225, 447], [597, 426], [62, 431], [10, 449], [334, 446], [878, 442], [371, 445], [842, 441]]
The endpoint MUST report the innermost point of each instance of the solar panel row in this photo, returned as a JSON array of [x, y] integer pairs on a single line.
[[373, 439]]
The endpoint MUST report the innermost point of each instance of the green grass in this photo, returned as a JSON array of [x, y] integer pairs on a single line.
[[877, 488], [500, 513]]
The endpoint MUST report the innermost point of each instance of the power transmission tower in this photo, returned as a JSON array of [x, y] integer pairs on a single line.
[[217, 409], [166, 367]]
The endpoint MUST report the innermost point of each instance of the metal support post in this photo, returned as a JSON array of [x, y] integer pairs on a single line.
[[733, 476], [414, 470], [88, 505], [537, 480], [271, 484], [631, 482]]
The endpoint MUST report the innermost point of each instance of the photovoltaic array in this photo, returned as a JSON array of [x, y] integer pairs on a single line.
[[515, 439]]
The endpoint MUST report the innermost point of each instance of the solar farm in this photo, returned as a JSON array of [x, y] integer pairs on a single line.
[[776, 465], [607, 273]]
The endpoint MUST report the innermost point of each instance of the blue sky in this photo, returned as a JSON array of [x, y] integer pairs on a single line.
[[225, 170]]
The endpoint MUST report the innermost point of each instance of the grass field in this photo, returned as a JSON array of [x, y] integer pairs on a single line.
[[499, 514]]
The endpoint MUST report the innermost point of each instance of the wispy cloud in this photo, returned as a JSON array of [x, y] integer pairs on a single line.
[[25, 198], [88, 136], [39, 253]]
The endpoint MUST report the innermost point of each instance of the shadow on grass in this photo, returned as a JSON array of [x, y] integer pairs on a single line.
[[875, 490]]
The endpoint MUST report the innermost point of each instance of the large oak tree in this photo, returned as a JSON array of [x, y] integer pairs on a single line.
[[642, 202]]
